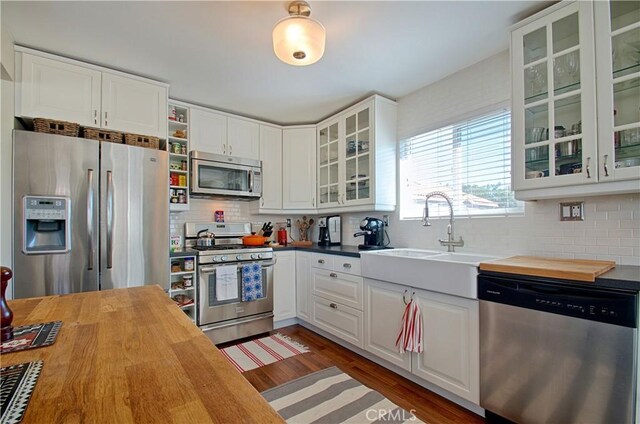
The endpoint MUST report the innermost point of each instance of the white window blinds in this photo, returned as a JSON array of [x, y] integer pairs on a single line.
[[470, 161]]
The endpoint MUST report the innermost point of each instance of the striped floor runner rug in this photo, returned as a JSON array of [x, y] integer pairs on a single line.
[[261, 352], [331, 396]]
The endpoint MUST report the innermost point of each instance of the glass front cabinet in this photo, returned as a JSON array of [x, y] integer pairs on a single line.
[[352, 146], [576, 98]]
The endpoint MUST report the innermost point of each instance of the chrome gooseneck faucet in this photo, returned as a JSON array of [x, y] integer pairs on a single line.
[[450, 242]]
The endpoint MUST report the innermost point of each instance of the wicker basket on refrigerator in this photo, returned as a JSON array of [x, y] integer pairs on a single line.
[[103, 135], [142, 141], [53, 126]]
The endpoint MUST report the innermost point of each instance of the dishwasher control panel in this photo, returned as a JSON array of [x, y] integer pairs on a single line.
[[604, 305]]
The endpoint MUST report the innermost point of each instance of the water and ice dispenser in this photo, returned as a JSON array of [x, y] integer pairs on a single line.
[[47, 224]]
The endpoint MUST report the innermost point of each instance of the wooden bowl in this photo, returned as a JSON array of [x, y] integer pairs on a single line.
[[253, 240]]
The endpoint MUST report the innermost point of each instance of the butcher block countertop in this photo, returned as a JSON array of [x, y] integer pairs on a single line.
[[131, 355], [567, 269]]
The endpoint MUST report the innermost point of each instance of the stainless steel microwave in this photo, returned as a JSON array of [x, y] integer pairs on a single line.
[[215, 175]]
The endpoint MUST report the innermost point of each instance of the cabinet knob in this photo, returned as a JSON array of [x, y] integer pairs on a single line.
[[346, 265], [320, 261], [606, 169], [333, 275], [587, 167], [333, 305]]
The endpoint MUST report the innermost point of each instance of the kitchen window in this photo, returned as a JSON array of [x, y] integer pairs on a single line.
[[470, 161]]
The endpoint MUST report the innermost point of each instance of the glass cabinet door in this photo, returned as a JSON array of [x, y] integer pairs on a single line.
[[618, 38], [357, 156], [328, 148], [559, 112]]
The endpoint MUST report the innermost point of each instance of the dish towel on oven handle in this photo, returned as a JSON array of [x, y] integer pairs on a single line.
[[226, 282], [252, 286], [410, 337]]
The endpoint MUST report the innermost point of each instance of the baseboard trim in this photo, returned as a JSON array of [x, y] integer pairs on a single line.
[[285, 323]]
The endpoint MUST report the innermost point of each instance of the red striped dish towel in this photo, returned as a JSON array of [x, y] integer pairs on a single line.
[[410, 337]]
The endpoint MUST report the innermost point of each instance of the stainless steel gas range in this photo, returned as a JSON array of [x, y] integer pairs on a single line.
[[235, 283]]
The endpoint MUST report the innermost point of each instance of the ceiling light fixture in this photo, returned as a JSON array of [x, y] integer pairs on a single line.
[[297, 39]]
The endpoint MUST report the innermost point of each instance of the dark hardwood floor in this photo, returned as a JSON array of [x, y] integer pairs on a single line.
[[430, 407]]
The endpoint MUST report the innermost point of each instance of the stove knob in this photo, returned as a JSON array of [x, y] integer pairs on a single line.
[[254, 256], [259, 255], [223, 258], [238, 257], [216, 259]]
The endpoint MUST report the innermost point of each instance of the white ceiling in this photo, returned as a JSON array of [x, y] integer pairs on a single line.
[[219, 54]]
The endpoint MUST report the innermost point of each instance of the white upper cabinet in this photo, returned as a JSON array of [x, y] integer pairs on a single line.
[[133, 106], [299, 171], [271, 157], [215, 132], [357, 158], [59, 90], [618, 89], [208, 131], [576, 96], [243, 138], [63, 89]]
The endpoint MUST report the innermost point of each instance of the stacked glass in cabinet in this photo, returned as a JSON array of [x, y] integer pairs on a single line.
[[554, 108], [618, 71]]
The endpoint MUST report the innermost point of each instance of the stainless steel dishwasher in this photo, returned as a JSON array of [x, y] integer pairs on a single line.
[[556, 352]]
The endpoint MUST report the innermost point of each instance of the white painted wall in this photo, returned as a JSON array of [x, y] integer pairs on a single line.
[[611, 229], [6, 147]]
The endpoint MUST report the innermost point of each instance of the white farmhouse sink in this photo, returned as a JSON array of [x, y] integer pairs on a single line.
[[449, 273]]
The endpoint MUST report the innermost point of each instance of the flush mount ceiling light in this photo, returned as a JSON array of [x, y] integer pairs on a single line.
[[297, 39]]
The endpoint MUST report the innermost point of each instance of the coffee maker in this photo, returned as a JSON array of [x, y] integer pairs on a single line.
[[330, 230], [373, 232]]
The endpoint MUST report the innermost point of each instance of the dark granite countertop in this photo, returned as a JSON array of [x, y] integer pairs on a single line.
[[343, 250], [187, 252], [621, 277]]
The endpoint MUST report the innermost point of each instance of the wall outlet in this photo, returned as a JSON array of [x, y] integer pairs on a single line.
[[572, 211], [288, 222]]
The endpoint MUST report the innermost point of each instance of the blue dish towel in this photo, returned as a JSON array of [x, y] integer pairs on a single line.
[[252, 288]]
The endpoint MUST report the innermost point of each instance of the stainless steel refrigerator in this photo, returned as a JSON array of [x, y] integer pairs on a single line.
[[88, 215]]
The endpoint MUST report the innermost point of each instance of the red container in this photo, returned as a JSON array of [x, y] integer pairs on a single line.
[[282, 236]]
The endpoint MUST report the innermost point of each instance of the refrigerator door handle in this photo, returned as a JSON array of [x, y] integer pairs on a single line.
[[90, 211], [109, 219]]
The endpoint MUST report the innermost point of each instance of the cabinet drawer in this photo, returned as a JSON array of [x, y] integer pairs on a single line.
[[322, 261], [347, 265], [338, 287], [341, 321]]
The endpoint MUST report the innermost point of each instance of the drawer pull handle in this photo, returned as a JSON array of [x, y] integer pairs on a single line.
[[333, 306], [320, 261], [346, 265], [333, 275]]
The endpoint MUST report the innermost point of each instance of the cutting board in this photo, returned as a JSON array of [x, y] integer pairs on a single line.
[[567, 269]]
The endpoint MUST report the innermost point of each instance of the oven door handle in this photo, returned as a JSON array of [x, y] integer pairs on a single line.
[[209, 269]]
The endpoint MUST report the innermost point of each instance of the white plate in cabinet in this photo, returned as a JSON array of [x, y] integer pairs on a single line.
[[383, 308], [338, 287], [451, 356], [341, 321]]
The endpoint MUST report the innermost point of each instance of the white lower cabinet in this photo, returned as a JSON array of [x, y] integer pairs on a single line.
[[303, 285], [284, 285], [383, 310], [338, 287], [341, 321], [451, 344]]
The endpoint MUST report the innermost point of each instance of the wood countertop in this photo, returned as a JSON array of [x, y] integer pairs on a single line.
[[569, 269], [131, 355]]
